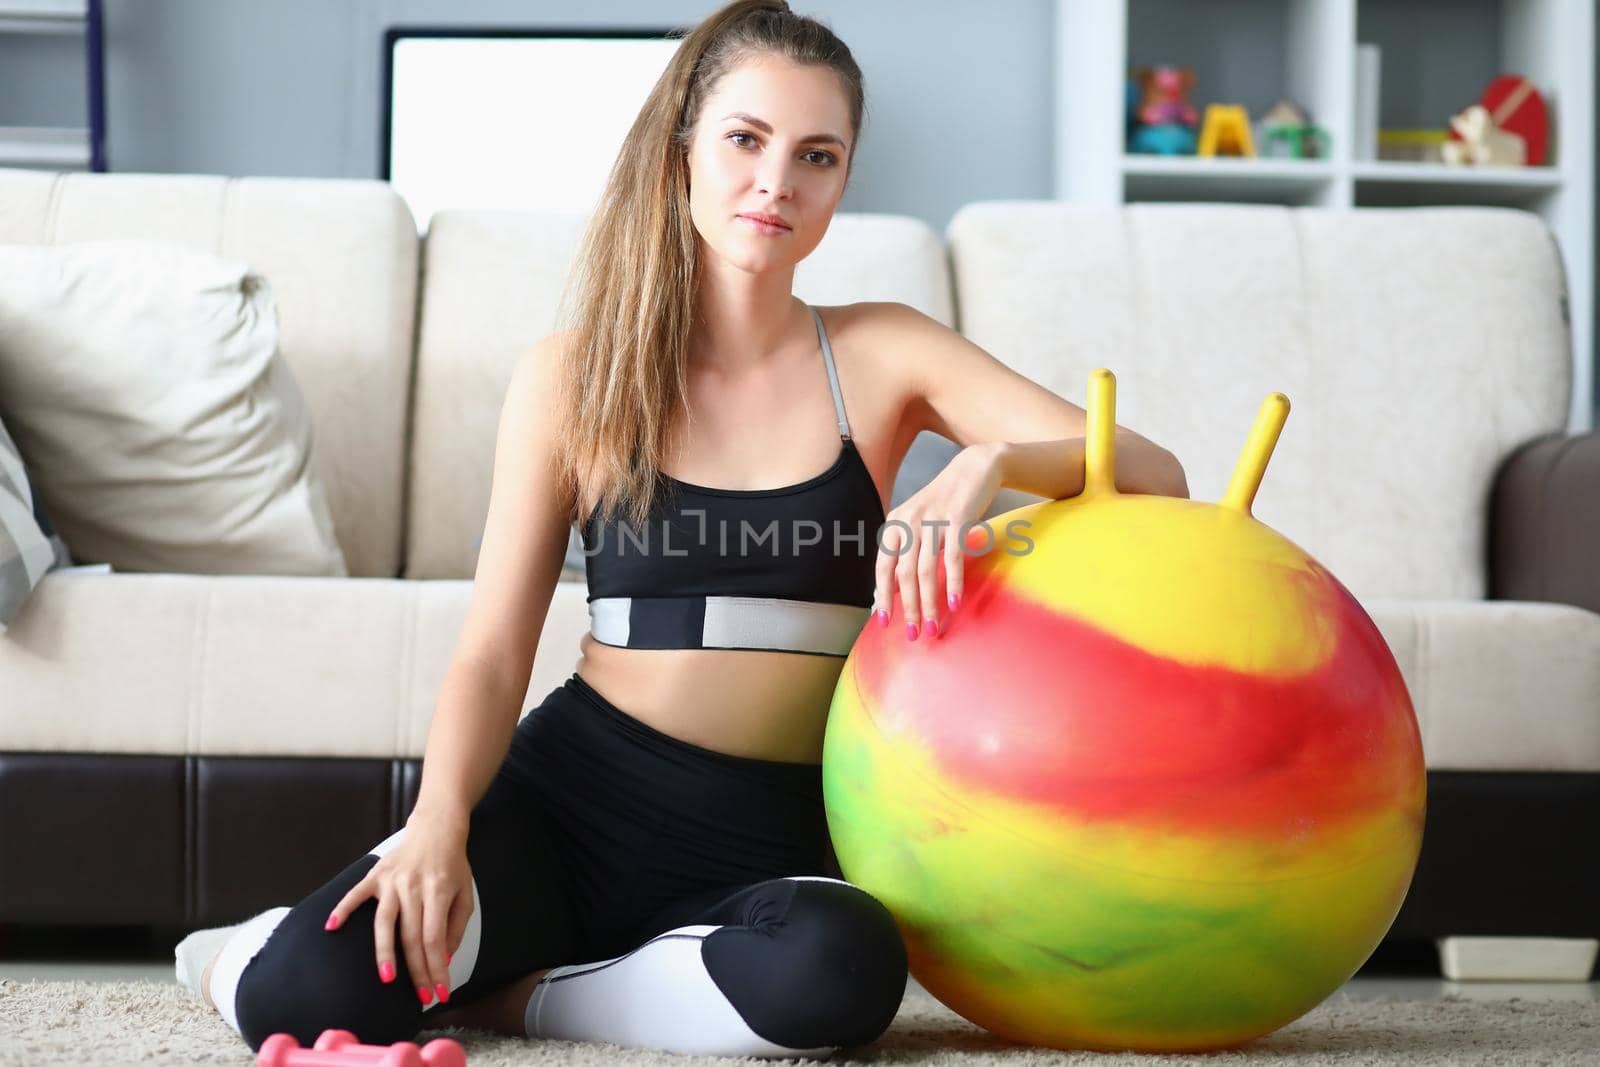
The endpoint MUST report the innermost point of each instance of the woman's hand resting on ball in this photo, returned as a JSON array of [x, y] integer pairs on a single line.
[[425, 885], [922, 536]]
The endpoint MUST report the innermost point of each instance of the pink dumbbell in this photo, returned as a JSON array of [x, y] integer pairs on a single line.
[[339, 1048], [440, 1052]]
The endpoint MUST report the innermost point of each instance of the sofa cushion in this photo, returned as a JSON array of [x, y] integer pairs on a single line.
[[246, 665], [186, 665], [27, 549], [342, 258], [165, 429], [491, 282], [1418, 348], [1498, 685]]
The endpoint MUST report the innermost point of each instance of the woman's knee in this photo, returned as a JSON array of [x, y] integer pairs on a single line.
[[306, 980], [821, 963]]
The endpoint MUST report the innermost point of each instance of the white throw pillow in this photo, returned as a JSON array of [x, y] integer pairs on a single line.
[[163, 428]]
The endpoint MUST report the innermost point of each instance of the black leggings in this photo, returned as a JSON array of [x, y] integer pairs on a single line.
[[626, 859]]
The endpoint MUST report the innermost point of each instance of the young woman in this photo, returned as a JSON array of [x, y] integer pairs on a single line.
[[644, 857]]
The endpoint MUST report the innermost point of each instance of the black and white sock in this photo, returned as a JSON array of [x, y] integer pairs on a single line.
[[238, 944]]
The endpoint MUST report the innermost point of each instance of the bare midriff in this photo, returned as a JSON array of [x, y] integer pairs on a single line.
[[744, 702], [755, 704]]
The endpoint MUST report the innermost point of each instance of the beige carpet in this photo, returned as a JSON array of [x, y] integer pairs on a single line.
[[48, 1023]]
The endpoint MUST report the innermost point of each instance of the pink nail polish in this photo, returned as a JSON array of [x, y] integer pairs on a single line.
[[930, 628], [386, 971], [911, 631], [332, 923], [443, 991], [955, 601], [882, 617], [423, 995]]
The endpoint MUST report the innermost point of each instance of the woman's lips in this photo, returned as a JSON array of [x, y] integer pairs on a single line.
[[763, 227]]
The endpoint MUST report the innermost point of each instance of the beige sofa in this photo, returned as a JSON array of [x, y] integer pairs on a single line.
[[183, 750]]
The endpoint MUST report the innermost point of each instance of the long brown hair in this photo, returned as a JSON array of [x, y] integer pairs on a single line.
[[630, 296]]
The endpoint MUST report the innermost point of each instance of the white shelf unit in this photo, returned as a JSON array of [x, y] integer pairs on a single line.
[[1254, 52], [60, 147], [55, 147], [43, 16]]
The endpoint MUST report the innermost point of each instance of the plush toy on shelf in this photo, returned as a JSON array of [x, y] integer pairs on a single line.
[[1166, 92], [1481, 141], [1507, 127], [1287, 131], [1163, 121]]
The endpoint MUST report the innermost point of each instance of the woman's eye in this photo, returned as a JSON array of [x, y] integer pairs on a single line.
[[828, 156]]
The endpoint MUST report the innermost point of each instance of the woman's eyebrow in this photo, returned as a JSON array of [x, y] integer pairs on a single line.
[[764, 127]]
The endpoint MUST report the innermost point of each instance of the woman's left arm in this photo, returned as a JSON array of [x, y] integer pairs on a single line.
[[1055, 469], [1013, 432]]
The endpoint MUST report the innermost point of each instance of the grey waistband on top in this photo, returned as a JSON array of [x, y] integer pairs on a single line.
[[727, 622]]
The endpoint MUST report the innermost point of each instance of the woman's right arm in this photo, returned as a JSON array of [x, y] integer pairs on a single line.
[[424, 884], [524, 545]]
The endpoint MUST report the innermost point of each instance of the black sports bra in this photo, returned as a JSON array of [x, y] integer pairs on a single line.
[[789, 569]]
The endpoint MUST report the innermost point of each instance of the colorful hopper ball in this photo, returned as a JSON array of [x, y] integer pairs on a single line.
[[1158, 785]]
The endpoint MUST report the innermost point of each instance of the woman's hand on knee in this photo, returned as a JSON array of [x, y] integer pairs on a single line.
[[424, 888]]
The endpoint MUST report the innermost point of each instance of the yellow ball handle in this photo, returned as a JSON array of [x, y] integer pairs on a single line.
[[1100, 449], [1252, 465], [1100, 437]]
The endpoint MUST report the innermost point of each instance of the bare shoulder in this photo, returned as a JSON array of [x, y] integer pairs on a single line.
[[877, 318], [875, 337], [536, 373], [881, 325], [875, 344], [544, 356]]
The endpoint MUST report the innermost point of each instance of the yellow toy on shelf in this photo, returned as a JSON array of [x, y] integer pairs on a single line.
[[1226, 129]]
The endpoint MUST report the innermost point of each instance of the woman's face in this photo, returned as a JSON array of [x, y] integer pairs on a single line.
[[756, 150]]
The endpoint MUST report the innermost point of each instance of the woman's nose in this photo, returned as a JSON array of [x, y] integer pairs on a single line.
[[774, 178]]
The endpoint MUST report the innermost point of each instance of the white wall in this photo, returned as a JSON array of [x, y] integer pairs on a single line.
[[958, 93]]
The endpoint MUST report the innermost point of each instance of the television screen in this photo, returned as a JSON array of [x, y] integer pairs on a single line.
[[512, 119]]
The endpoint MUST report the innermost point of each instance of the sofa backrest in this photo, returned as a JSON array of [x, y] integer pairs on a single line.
[[491, 281], [1417, 347], [341, 257]]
